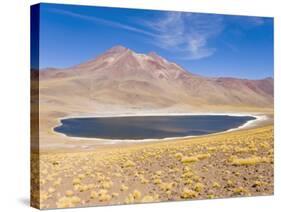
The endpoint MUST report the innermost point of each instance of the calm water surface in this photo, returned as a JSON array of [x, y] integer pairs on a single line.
[[149, 127]]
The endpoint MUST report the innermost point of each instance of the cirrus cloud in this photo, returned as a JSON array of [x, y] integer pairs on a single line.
[[186, 33]]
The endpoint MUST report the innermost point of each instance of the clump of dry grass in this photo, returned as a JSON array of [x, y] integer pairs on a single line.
[[106, 184], [166, 186], [198, 187], [143, 180], [124, 187], [129, 163], [115, 194], [157, 181], [257, 183], [57, 182], [253, 160], [136, 194], [179, 155], [216, 185], [76, 181], [188, 193], [211, 196], [133, 197], [230, 183], [148, 198], [69, 193], [129, 199], [81, 176], [203, 156], [240, 191], [190, 159], [93, 195], [66, 202], [103, 195], [194, 158]]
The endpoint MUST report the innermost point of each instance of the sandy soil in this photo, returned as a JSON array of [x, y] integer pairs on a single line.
[[238, 163]]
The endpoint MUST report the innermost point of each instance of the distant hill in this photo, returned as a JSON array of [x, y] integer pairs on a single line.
[[125, 80]]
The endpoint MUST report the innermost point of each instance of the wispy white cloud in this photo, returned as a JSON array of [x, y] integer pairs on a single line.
[[184, 33], [103, 21], [187, 33]]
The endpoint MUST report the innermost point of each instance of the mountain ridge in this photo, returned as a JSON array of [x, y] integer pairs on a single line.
[[121, 77], [151, 54]]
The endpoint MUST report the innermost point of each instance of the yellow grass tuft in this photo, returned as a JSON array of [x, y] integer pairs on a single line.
[[230, 183], [83, 188], [198, 187], [66, 202], [114, 194], [203, 156], [93, 195], [166, 186], [179, 155], [104, 197], [69, 193], [136, 194], [211, 196], [144, 180], [186, 169], [157, 181], [129, 163], [106, 184], [76, 181], [190, 159], [248, 161], [124, 188], [240, 191], [216, 185], [147, 198], [81, 176], [188, 193], [75, 199], [188, 182], [130, 199], [257, 184], [159, 173], [195, 158]]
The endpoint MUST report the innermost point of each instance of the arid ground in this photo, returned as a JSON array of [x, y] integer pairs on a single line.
[[238, 163]]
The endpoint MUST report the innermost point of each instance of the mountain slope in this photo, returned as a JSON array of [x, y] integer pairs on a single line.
[[124, 80]]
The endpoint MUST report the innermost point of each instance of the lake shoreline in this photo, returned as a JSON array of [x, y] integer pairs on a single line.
[[249, 124]]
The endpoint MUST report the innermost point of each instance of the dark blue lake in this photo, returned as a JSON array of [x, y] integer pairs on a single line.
[[149, 127]]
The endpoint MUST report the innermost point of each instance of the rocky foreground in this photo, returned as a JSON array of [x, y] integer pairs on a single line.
[[226, 165]]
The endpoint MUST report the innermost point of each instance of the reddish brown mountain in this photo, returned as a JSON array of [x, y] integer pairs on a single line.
[[123, 79]]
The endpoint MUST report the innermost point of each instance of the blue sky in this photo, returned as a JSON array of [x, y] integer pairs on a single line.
[[205, 44]]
